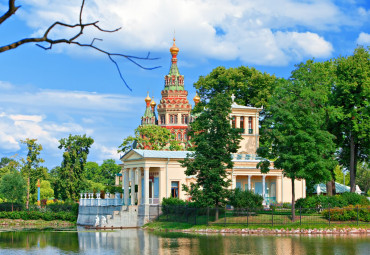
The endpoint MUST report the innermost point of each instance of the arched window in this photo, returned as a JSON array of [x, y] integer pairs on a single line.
[[250, 125], [171, 118], [185, 137], [179, 137]]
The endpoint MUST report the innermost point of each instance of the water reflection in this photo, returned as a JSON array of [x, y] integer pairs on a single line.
[[133, 241]]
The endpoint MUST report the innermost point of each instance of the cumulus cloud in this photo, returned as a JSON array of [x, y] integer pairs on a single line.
[[363, 39], [49, 115], [248, 30]]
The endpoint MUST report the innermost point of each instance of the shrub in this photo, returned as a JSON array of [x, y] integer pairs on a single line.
[[348, 213], [341, 200], [173, 201], [36, 215], [245, 199]]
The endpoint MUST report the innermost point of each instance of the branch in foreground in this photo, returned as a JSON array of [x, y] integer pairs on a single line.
[[72, 40]]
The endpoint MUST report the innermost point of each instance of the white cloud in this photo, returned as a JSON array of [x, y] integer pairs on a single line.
[[363, 39], [221, 29]]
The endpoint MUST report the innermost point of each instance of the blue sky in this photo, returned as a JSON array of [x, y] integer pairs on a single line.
[[48, 95]]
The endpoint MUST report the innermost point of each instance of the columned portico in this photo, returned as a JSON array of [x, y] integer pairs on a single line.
[[139, 183], [263, 189], [249, 182], [146, 185]]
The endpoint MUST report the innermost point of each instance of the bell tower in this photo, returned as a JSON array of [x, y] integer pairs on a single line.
[[174, 108]]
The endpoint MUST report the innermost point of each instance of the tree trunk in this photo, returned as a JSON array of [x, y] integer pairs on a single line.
[[12, 206], [330, 188], [352, 173], [28, 192], [293, 201], [216, 214]]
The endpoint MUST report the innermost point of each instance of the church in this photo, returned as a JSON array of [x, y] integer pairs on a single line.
[[158, 174]]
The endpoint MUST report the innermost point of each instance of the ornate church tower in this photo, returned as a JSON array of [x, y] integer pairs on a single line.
[[174, 108], [149, 117]]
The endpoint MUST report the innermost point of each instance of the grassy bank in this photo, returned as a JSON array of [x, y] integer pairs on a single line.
[[179, 226], [19, 223]]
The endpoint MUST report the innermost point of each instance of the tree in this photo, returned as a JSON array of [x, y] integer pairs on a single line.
[[363, 177], [351, 96], [150, 137], [92, 171], [31, 164], [77, 30], [13, 187], [8, 165], [339, 175], [46, 190], [250, 86], [108, 171], [71, 178], [300, 145], [214, 140]]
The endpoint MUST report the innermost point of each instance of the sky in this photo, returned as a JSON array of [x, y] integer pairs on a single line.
[[47, 95]]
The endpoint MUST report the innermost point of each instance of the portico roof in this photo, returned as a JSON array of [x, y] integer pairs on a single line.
[[160, 154]]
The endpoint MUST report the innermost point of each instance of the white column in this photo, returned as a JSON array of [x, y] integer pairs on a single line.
[[233, 181], [249, 182], [263, 188], [146, 185], [132, 179], [139, 186], [126, 186]]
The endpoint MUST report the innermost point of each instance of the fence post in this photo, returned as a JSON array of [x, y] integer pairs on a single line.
[[329, 215], [357, 215], [207, 216], [272, 216], [300, 215], [247, 217]]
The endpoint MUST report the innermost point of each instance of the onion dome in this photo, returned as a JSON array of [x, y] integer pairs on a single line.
[[148, 99], [152, 103], [196, 98], [174, 50]]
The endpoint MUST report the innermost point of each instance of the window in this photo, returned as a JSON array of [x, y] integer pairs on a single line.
[[233, 122], [174, 189], [175, 119], [179, 136], [186, 119], [163, 119], [250, 125], [171, 119], [242, 123], [185, 137]]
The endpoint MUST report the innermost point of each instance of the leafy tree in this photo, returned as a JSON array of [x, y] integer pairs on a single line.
[[94, 186], [250, 86], [71, 178], [13, 187], [214, 141], [339, 175], [150, 137], [108, 171], [31, 164], [351, 96], [8, 165], [363, 177], [92, 171], [245, 199], [46, 190], [300, 145]]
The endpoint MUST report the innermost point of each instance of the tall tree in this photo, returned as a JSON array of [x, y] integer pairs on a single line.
[[108, 171], [214, 141], [150, 137], [76, 148], [351, 96], [300, 145], [13, 187], [31, 164], [92, 171]]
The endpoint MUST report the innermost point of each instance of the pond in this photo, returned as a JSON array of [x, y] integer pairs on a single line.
[[136, 241]]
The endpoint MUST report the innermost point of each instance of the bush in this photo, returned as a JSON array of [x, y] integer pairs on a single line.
[[37, 215], [348, 213], [245, 199], [173, 201], [322, 201]]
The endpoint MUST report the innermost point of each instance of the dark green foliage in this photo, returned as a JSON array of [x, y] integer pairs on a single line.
[[215, 140], [38, 215], [8, 207], [13, 187], [245, 199], [71, 178], [342, 200], [171, 201]]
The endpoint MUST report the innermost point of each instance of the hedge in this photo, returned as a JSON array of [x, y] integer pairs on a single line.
[[348, 213], [37, 215], [322, 201]]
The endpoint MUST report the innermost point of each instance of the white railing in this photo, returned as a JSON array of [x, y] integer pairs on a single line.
[[87, 199]]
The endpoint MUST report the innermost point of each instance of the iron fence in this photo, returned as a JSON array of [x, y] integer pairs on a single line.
[[262, 216]]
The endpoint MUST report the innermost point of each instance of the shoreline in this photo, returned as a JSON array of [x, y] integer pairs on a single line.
[[9, 224]]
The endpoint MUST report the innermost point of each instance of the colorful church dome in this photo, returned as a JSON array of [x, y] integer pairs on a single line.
[[196, 98], [174, 50]]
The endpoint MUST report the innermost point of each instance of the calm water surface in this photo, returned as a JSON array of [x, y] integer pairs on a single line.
[[134, 241]]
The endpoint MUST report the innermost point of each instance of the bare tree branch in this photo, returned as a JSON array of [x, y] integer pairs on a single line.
[[45, 38], [12, 9]]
